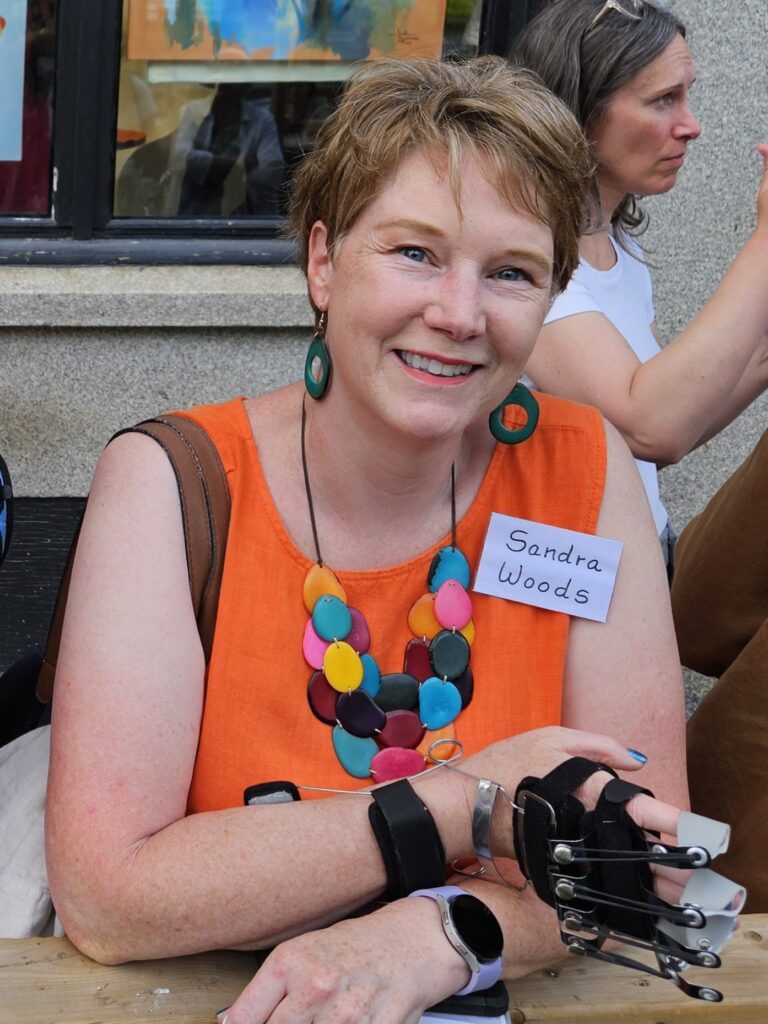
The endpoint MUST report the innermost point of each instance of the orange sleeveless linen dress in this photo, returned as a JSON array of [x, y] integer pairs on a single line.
[[256, 724]]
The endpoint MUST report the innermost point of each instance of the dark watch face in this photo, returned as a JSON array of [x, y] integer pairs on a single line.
[[477, 926]]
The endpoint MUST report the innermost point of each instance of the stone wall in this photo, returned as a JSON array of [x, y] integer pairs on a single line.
[[84, 351], [699, 226]]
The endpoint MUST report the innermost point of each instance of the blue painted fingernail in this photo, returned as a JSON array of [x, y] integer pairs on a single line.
[[637, 755]]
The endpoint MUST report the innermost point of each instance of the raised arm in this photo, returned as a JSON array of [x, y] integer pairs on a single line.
[[696, 385]]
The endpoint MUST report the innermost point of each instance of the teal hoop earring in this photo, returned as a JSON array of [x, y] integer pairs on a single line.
[[317, 365], [519, 395]]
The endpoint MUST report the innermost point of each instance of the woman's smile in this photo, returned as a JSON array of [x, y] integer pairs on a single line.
[[431, 366]]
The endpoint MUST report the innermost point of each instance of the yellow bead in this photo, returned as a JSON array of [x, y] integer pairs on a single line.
[[469, 632], [342, 667], [321, 580], [421, 617]]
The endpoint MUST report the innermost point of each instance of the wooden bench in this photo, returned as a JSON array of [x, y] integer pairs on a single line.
[[46, 981]]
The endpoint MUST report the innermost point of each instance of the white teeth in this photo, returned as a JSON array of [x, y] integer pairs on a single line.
[[434, 366]]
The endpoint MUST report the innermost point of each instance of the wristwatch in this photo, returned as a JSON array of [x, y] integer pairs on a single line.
[[472, 930]]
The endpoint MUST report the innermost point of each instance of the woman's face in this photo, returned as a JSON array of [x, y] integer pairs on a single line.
[[641, 139], [432, 310]]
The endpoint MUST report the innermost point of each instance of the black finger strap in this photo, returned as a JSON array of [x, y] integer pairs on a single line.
[[549, 810], [615, 831]]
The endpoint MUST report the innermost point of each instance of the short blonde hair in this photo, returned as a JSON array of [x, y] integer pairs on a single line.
[[504, 116]]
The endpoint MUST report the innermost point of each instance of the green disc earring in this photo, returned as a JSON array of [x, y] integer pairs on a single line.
[[317, 366], [519, 395]]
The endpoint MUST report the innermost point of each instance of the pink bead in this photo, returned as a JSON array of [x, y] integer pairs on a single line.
[[453, 607], [313, 647], [359, 637], [395, 763]]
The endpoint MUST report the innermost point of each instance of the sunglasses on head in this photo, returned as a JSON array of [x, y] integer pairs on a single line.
[[633, 9]]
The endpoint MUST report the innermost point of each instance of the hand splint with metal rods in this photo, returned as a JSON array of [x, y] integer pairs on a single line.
[[594, 868]]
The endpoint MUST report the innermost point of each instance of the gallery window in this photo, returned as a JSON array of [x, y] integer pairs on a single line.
[[168, 130]]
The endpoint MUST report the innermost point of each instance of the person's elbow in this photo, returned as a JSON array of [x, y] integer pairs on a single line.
[[94, 934], [96, 908], [661, 447]]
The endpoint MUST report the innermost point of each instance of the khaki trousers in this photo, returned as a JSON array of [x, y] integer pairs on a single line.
[[720, 605]]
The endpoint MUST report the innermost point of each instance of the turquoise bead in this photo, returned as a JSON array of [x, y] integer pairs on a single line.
[[354, 752], [331, 618], [439, 703], [448, 564], [371, 675]]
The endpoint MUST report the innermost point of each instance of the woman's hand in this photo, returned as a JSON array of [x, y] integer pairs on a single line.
[[384, 968], [536, 753]]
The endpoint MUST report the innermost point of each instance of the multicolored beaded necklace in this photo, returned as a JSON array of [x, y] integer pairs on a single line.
[[383, 724]]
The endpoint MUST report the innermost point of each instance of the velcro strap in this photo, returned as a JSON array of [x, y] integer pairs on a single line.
[[413, 853], [614, 830], [550, 795]]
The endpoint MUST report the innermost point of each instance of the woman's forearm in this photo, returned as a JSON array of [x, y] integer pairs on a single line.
[[751, 385], [246, 877], [710, 372], [531, 933]]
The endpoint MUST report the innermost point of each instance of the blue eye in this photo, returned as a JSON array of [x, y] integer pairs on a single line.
[[413, 252], [513, 274]]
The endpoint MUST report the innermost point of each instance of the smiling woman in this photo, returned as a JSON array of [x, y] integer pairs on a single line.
[[624, 69], [436, 217], [448, 322]]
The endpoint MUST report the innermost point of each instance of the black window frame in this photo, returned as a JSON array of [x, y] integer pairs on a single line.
[[81, 229]]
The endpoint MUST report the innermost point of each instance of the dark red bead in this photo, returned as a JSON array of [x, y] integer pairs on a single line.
[[402, 729], [417, 663], [359, 637], [322, 698]]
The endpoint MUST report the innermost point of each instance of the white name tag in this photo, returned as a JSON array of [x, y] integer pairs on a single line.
[[561, 570]]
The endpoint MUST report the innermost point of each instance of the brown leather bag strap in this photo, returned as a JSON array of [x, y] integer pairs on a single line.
[[205, 509], [47, 673]]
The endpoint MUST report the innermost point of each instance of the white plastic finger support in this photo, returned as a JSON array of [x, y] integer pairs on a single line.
[[696, 830], [720, 900]]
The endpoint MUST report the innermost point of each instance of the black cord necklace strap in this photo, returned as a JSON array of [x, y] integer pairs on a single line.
[[307, 488], [453, 506]]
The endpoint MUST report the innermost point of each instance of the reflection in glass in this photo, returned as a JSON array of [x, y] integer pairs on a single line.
[[239, 134], [25, 184], [204, 140]]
